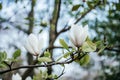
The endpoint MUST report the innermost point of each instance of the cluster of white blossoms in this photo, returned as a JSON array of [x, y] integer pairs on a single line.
[[77, 35]]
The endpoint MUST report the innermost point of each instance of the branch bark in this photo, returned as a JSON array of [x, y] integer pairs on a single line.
[[67, 61], [30, 72], [53, 28]]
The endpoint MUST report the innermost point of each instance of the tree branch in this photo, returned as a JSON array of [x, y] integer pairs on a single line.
[[67, 61], [80, 18]]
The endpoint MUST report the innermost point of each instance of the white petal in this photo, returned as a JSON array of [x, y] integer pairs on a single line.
[[33, 40], [28, 47], [28, 78], [41, 42], [72, 35], [78, 34], [16, 77]]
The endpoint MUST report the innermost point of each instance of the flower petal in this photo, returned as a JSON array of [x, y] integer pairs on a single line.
[[78, 34], [16, 77], [28, 78], [28, 47], [33, 40]]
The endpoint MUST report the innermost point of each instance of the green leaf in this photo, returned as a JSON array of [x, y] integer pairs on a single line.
[[85, 60], [47, 54], [118, 6], [2, 65], [3, 56], [102, 48], [89, 4], [98, 43], [66, 54], [55, 76], [63, 43], [88, 46], [75, 7], [0, 6], [43, 23], [16, 54], [44, 59]]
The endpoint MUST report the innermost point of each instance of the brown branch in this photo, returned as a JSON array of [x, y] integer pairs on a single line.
[[70, 60], [66, 29], [57, 14], [87, 12]]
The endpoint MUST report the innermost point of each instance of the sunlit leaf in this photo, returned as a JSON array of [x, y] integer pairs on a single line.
[[85, 60], [64, 44], [3, 56], [47, 54], [89, 46], [44, 59]]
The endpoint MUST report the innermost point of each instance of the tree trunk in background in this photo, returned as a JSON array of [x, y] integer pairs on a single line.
[[31, 25], [53, 30]]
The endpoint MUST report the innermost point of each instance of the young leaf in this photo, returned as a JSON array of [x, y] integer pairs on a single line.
[[85, 60], [75, 7], [88, 46], [3, 56], [118, 6], [2, 65], [0, 6], [102, 48], [66, 54], [47, 54], [44, 59], [16, 54], [59, 58], [63, 43]]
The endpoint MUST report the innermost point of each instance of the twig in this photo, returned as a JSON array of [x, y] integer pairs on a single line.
[[60, 74]]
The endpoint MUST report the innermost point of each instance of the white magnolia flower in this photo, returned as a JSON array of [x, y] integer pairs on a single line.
[[78, 35], [16, 77], [34, 44], [28, 78]]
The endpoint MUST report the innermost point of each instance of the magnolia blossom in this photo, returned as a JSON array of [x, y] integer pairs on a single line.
[[34, 44], [78, 35], [16, 77], [28, 78]]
